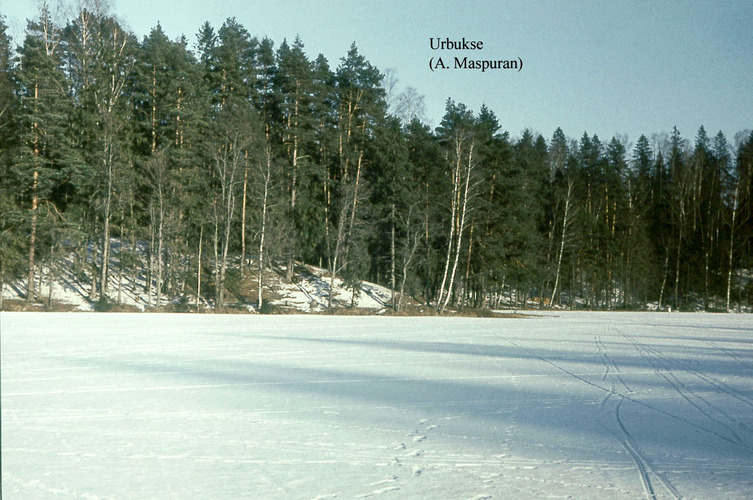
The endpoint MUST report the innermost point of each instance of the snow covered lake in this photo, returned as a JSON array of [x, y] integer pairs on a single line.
[[577, 405]]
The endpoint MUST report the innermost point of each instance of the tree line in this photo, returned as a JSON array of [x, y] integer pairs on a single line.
[[231, 156]]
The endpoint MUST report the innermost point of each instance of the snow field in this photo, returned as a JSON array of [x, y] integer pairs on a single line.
[[578, 405]]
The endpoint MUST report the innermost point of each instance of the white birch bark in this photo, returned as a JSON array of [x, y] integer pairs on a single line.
[[565, 222], [461, 228], [264, 206]]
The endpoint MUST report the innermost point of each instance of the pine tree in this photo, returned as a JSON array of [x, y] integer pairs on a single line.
[[395, 208], [641, 257], [265, 68], [45, 158], [7, 88], [170, 110], [500, 204], [681, 208], [563, 205], [741, 218], [525, 219], [617, 212], [360, 106], [11, 233], [235, 140], [427, 161], [101, 56], [294, 89], [231, 67], [316, 202]]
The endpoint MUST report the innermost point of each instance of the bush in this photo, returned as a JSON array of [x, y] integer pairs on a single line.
[[103, 304], [267, 308]]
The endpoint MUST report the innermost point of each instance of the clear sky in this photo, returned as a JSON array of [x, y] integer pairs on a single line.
[[609, 68]]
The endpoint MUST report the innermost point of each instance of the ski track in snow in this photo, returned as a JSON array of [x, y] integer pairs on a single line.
[[584, 405], [612, 373]]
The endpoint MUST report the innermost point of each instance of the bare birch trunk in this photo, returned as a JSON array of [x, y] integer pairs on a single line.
[[404, 271], [226, 244], [50, 276], [453, 212], [216, 247], [160, 249], [336, 256], [198, 269], [466, 287], [120, 259], [355, 195], [392, 257], [677, 270], [104, 270], [243, 221], [267, 174], [562, 242], [664, 279], [730, 271], [427, 257], [150, 274], [461, 228]]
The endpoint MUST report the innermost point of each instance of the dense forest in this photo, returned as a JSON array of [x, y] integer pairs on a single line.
[[227, 155]]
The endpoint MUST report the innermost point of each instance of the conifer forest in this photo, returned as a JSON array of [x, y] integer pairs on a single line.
[[225, 155]]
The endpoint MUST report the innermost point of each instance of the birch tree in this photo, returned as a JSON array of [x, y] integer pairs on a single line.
[[457, 132], [101, 57], [567, 218], [234, 137], [740, 232], [360, 103]]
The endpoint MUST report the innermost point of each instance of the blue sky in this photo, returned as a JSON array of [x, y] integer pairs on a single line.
[[609, 68]]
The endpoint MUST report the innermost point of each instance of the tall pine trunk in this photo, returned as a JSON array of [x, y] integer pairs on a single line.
[[293, 182], [30, 292]]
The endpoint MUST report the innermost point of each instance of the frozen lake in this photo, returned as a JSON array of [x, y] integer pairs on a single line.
[[579, 405]]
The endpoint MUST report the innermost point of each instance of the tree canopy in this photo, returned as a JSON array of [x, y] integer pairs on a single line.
[[232, 149]]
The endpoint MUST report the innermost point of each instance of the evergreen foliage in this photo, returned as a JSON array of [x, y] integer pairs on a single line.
[[233, 149]]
